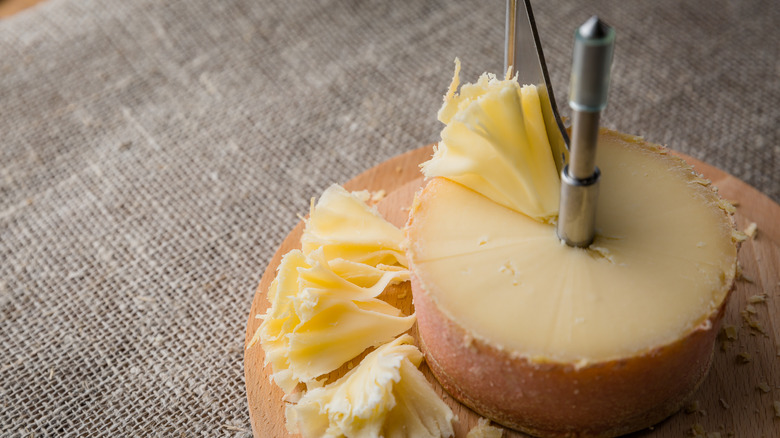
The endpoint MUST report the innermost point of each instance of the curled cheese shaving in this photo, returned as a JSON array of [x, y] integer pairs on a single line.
[[386, 395], [318, 320], [345, 227], [495, 143]]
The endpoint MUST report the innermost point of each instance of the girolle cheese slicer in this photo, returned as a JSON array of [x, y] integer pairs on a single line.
[[575, 160]]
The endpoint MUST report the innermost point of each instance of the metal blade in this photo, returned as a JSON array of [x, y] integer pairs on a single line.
[[524, 55]]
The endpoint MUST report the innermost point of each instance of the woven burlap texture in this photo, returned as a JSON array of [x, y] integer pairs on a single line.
[[153, 155]]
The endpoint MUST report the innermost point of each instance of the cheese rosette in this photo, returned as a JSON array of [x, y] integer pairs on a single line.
[[347, 228], [494, 143], [385, 396], [318, 320], [324, 308]]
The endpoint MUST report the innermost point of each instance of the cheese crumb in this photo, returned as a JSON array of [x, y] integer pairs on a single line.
[[605, 253], [763, 387], [483, 429], [727, 206], [756, 299], [751, 229], [730, 332], [744, 357], [386, 395], [752, 322], [692, 407], [697, 430], [776, 405], [740, 275], [738, 236], [378, 195]]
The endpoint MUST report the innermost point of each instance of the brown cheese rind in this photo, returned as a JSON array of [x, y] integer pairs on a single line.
[[558, 399]]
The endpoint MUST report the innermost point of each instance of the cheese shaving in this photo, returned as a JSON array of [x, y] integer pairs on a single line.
[[345, 227], [494, 143], [318, 319], [386, 395]]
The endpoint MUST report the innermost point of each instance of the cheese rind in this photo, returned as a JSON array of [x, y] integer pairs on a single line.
[[562, 400]]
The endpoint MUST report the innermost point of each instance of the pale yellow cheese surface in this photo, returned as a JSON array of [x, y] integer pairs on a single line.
[[661, 264]]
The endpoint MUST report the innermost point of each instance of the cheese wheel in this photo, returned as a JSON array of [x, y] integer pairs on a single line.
[[561, 341]]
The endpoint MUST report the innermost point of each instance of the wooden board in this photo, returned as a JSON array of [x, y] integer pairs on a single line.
[[11, 7], [730, 401]]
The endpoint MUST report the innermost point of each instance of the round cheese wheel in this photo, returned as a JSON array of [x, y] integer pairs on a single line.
[[560, 341]]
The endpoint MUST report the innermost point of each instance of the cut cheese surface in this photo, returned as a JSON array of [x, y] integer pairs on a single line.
[[495, 143], [661, 264]]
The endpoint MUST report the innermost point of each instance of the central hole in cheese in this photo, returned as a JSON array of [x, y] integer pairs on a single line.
[[658, 267]]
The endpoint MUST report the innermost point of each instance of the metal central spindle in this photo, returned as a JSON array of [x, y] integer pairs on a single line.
[[593, 47]]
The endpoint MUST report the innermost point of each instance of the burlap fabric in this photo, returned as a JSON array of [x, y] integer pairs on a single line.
[[155, 153]]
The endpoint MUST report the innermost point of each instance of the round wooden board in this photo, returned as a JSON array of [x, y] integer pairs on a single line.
[[730, 401]]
